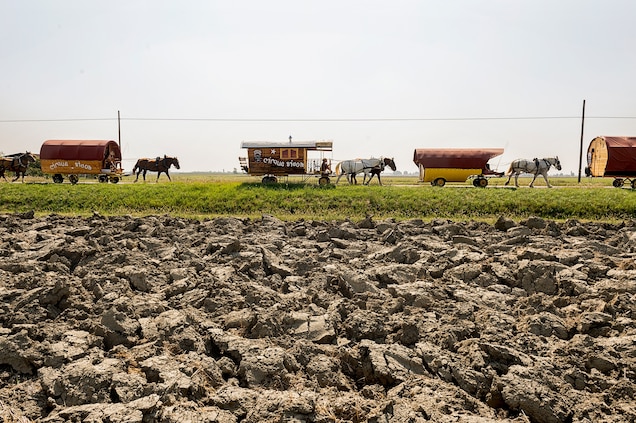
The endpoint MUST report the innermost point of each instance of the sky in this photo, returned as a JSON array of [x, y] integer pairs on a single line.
[[195, 78]]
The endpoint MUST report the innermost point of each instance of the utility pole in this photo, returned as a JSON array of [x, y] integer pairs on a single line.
[[581, 148], [118, 130], [119, 136]]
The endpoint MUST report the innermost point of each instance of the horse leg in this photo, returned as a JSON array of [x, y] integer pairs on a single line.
[[168, 175], [533, 179], [509, 177], [370, 177], [144, 174], [545, 176]]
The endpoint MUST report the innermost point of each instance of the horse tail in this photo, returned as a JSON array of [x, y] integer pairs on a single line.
[[511, 168], [338, 168], [136, 166]]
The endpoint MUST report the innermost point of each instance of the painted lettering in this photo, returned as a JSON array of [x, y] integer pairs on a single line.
[[83, 166], [274, 162], [299, 165], [55, 165]]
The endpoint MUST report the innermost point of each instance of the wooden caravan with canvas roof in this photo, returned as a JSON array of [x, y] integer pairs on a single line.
[[613, 157]]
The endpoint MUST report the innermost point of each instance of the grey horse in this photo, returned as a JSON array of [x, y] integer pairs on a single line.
[[535, 167], [369, 167]]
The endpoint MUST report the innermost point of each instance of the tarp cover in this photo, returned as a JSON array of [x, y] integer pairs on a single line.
[[79, 149], [621, 158], [459, 158]]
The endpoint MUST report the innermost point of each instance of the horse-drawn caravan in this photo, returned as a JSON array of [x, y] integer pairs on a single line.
[[614, 157], [441, 165], [18, 163], [273, 160], [81, 157]]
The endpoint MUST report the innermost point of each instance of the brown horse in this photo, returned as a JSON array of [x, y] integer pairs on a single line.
[[18, 163], [159, 165]]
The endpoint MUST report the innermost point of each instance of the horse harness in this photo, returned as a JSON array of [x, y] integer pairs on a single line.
[[379, 166], [536, 165], [161, 160], [18, 160]]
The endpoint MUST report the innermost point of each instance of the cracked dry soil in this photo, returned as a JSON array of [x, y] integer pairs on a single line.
[[165, 319]]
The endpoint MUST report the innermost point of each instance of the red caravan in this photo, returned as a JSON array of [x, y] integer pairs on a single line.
[[613, 156], [81, 157]]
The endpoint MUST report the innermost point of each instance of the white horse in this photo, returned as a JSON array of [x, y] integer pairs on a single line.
[[369, 167], [536, 167]]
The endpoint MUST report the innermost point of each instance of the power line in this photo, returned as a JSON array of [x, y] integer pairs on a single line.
[[55, 120], [312, 119]]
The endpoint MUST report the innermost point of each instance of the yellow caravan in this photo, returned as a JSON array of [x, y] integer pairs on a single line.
[[441, 165]]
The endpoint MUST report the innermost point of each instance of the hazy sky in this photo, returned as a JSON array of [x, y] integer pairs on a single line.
[[194, 78]]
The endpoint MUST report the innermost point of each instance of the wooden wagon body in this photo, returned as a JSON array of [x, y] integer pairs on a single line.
[[441, 165], [81, 157], [272, 160], [613, 157]]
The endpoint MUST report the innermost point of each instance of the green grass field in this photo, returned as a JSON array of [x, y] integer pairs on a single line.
[[401, 197]]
